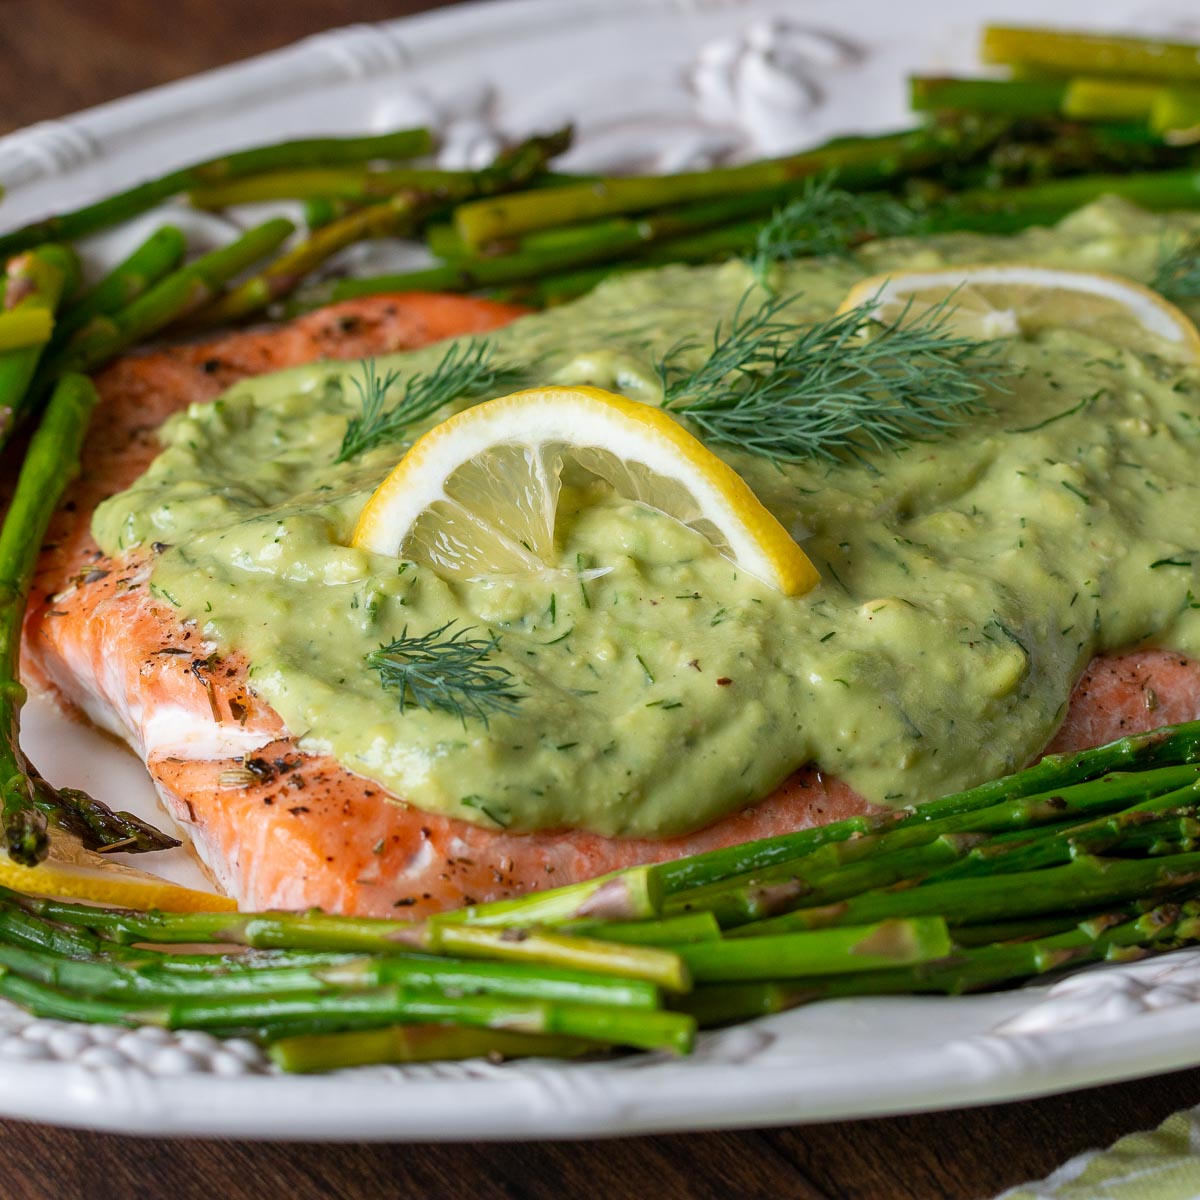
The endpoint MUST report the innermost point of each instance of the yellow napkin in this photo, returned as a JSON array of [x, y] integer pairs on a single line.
[[1163, 1164]]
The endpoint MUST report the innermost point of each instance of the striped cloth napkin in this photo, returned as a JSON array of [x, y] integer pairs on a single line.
[[1163, 1164]]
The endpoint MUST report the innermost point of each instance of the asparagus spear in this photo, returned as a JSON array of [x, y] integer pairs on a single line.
[[1036, 948], [417, 1043], [1155, 190], [789, 885], [19, 928], [52, 458], [741, 238], [1082, 98], [1175, 115], [661, 235], [456, 277], [322, 210], [161, 252], [401, 144], [316, 931], [660, 967], [328, 183], [146, 983], [1045, 148], [668, 931], [858, 164], [1012, 150], [647, 1029], [154, 982], [982, 210], [1086, 882], [541, 255], [987, 966], [346, 185], [1131, 833], [1171, 744], [820, 952], [443, 241], [295, 931], [1075, 53], [24, 327], [957, 845], [50, 462], [93, 823], [1089, 99], [556, 275], [34, 286], [717, 1004], [492, 977], [1026, 928], [1006, 97], [630, 895], [171, 298], [401, 213], [816, 199]]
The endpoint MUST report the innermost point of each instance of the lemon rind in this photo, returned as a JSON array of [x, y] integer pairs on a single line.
[[586, 416], [1166, 320]]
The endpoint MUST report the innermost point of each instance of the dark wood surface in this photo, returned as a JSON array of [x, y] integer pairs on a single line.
[[60, 55]]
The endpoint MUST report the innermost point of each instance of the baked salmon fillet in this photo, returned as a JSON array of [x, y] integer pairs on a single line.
[[279, 828]]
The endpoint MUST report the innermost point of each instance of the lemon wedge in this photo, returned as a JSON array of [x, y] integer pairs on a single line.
[[70, 872], [477, 495], [991, 300]]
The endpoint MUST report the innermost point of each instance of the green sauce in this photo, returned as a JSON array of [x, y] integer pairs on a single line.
[[965, 583]]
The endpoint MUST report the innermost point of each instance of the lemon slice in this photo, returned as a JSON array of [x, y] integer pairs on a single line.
[[991, 300], [70, 872], [477, 495]]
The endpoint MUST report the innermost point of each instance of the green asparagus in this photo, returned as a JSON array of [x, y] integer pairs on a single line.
[[858, 164], [1002, 96], [418, 1043], [401, 214], [1076, 53], [1175, 115], [24, 327], [330, 183], [51, 460], [171, 298], [34, 287], [402, 144], [161, 252], [1088, 99]]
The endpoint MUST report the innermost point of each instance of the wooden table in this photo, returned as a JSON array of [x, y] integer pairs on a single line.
[[60, 55]]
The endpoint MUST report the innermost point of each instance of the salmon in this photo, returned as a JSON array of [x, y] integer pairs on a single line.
[[279, 828]]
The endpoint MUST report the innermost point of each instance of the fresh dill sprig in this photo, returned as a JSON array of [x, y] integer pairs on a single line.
[[446, 670], [372, 391], [845, 385], [1177, 275], [466, 369], [825, 220]]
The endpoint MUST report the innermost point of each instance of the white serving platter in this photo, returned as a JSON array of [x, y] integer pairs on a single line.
[[650, 84]]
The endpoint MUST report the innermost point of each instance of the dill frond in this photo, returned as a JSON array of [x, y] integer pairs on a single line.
[[825, 220], [845, 385], [372, 392], [466, 369], [448, 671], [1177, 275]]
